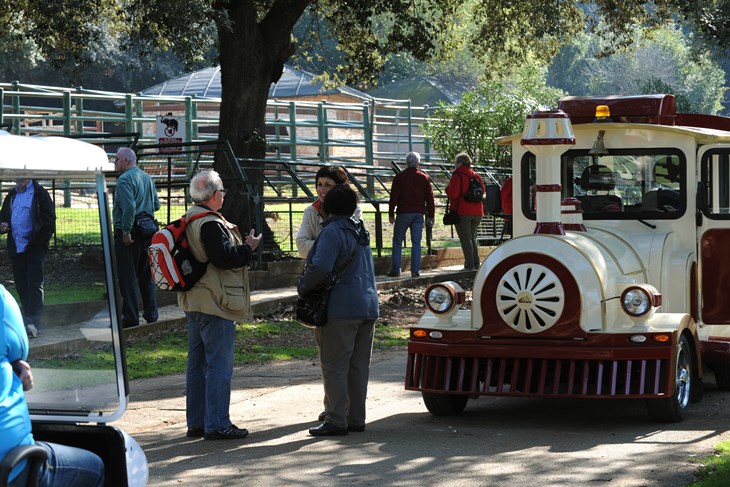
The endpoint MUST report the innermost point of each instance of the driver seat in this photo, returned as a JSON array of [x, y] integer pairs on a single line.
[[594, 178], [660, 199]]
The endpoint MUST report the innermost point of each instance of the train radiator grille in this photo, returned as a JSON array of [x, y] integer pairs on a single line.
[[537, 377]]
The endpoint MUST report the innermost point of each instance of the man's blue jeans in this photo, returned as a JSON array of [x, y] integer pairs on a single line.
[[403, 222], [211, 342], [70, 466]]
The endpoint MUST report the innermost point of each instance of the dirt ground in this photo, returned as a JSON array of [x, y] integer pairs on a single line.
[[400, 307]]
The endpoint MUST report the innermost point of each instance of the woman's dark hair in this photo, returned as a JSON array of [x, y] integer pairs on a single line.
[[340, 200], [335, 173]]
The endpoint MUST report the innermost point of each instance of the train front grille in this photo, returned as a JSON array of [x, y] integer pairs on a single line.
[[537, 376]]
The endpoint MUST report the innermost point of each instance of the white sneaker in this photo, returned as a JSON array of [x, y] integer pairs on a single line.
[[31, 330]]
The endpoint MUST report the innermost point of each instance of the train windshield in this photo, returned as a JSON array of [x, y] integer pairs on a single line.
[[625, 184]]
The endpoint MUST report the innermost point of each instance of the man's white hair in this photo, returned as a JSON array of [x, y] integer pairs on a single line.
[[413, 159], [128, 154], [204, 185]]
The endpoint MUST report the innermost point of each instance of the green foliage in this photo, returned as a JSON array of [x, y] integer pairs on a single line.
[[715, 471], [666, 63], [494, 109]]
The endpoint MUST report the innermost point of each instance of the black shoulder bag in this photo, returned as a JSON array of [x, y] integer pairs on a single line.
[[452, 217], [311, 308], [144, 227]]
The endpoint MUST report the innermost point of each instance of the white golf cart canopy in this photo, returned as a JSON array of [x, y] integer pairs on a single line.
[[76, 324]]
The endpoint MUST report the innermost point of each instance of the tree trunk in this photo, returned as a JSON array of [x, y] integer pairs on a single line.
[[252, 56]]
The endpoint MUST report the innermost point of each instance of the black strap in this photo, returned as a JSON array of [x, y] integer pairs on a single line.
[[458, 198], [335, 276], [338, 275]]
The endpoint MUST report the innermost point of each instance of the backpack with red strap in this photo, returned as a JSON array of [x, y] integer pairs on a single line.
[[173, 265]]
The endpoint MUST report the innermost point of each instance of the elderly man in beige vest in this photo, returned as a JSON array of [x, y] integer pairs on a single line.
[[212, 306]]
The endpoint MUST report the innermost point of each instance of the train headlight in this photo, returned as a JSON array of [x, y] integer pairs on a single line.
[[444, 299], [638, 300]]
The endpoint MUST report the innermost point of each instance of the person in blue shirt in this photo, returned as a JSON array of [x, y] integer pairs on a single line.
[[28, 217], [66, 466]]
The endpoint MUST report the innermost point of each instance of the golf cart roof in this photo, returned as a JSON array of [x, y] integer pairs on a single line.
[[50, 157]]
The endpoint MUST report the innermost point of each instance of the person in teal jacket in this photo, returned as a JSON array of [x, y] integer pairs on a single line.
[[135, 194], [346, 341], [66, 466]]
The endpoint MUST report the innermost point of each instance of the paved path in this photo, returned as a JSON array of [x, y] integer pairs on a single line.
[[496, 442]]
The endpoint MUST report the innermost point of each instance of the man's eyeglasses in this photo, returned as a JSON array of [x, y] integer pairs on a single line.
[[224, 191]]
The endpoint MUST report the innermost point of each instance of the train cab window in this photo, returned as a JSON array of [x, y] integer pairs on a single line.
[[626, 184], [715, 176]]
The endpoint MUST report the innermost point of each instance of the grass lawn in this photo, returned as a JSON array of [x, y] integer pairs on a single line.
[[166, 353], [715, 470]]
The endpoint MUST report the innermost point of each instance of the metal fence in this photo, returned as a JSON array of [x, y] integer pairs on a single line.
[[368, 139], [288, 189], [373, 132]]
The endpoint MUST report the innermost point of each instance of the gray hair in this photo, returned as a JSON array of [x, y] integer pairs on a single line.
[[204, 185], [128, 154], [413, 159]]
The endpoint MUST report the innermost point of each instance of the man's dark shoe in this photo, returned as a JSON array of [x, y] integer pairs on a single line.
[[415, 274], [393, 274], [230, 433], [195, 433], [327, 429], [356, 428], [322, 416]]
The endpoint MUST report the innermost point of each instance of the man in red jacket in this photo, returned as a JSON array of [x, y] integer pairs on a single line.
[[470, 212], [411, 196]]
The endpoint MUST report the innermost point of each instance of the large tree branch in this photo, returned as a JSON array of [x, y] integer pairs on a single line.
[[279, 21]]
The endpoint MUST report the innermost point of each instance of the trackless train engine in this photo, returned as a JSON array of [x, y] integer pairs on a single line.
[[613, 283]]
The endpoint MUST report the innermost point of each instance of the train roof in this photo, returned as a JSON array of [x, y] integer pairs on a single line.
[[50, 157], [651, 112]]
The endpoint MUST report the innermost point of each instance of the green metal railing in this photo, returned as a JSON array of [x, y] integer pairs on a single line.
[[369, 139], [374, 132]]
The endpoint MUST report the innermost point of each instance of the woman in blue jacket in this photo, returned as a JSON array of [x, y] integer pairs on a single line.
[[346, 341]]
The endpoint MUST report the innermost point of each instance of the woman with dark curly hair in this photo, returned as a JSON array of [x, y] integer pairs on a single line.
[[327, 178]]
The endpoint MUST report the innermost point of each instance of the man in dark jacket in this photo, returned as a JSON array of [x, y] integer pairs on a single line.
[[411, 196], [28, 216]]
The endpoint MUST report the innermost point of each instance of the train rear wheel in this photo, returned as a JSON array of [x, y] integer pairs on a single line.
[[444, 404], [722, 376]]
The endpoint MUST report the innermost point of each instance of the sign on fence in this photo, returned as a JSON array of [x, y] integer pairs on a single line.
[[170, 130]]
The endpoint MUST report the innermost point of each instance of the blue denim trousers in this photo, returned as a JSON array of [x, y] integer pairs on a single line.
[[67, 465], [135, 280], [211, 341], [403, 222]]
